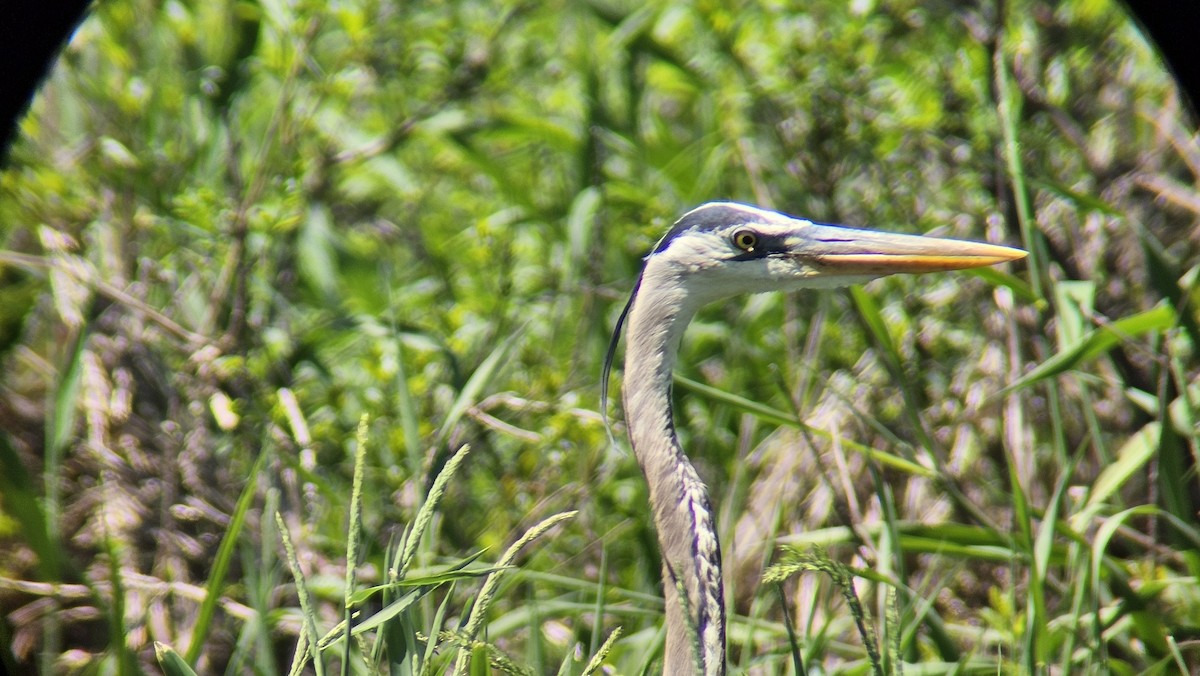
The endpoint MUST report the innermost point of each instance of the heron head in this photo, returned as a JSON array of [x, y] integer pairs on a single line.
[[722, 249]]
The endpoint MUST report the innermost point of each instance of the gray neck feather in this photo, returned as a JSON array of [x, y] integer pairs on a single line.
[[683, 515]]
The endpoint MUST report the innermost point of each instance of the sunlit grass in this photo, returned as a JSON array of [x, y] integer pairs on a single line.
[[271, 269]]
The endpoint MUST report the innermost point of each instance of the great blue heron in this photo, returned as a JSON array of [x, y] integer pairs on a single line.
[[718, 250]]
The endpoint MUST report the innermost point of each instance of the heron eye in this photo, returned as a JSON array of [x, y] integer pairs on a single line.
[[745, 240]]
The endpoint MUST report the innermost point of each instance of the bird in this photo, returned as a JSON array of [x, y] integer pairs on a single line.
[[716, 251]]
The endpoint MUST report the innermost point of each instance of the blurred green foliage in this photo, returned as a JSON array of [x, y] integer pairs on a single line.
[[232, 228]]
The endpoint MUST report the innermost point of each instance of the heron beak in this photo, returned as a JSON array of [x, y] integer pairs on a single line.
[[851, 251]]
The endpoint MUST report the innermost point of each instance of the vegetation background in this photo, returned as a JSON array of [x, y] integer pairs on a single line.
[[231, 229]]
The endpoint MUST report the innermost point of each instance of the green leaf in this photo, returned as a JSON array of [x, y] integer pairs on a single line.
[[999, 278], [1134, 455], [170, 661], [432, 579], [1096, 343], [776, 417], [391, 610], [1075, 302], [19, 500], [479, 661], [316, 253], [222, 559], [479, 380], [1082, 201]]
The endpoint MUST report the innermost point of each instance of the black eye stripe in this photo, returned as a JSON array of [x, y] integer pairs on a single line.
[[761, 246]]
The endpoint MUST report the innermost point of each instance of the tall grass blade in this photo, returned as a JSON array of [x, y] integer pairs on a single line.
[[479, 661], [389, 611], [220, 564], [354, 534], [22, 503], [789, 626], [1132, 456], [475, 385], [61, 428], [1008, 106], [1094, 344], [170, 661], [998, 278], [488, 590], [597, 662], [307, 609], [304, 652], [817, 560], [126, 663], [775, 416], [1166, 276], [435, 629], [425, 513], [868, 311], [601, 586], [407, 413]]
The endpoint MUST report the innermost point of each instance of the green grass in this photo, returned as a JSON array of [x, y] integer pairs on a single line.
[[268, 270]]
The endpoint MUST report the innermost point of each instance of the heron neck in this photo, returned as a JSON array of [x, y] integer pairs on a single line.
[[683, 514]]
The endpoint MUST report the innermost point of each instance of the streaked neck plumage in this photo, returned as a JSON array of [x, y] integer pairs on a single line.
[[658, 315]]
